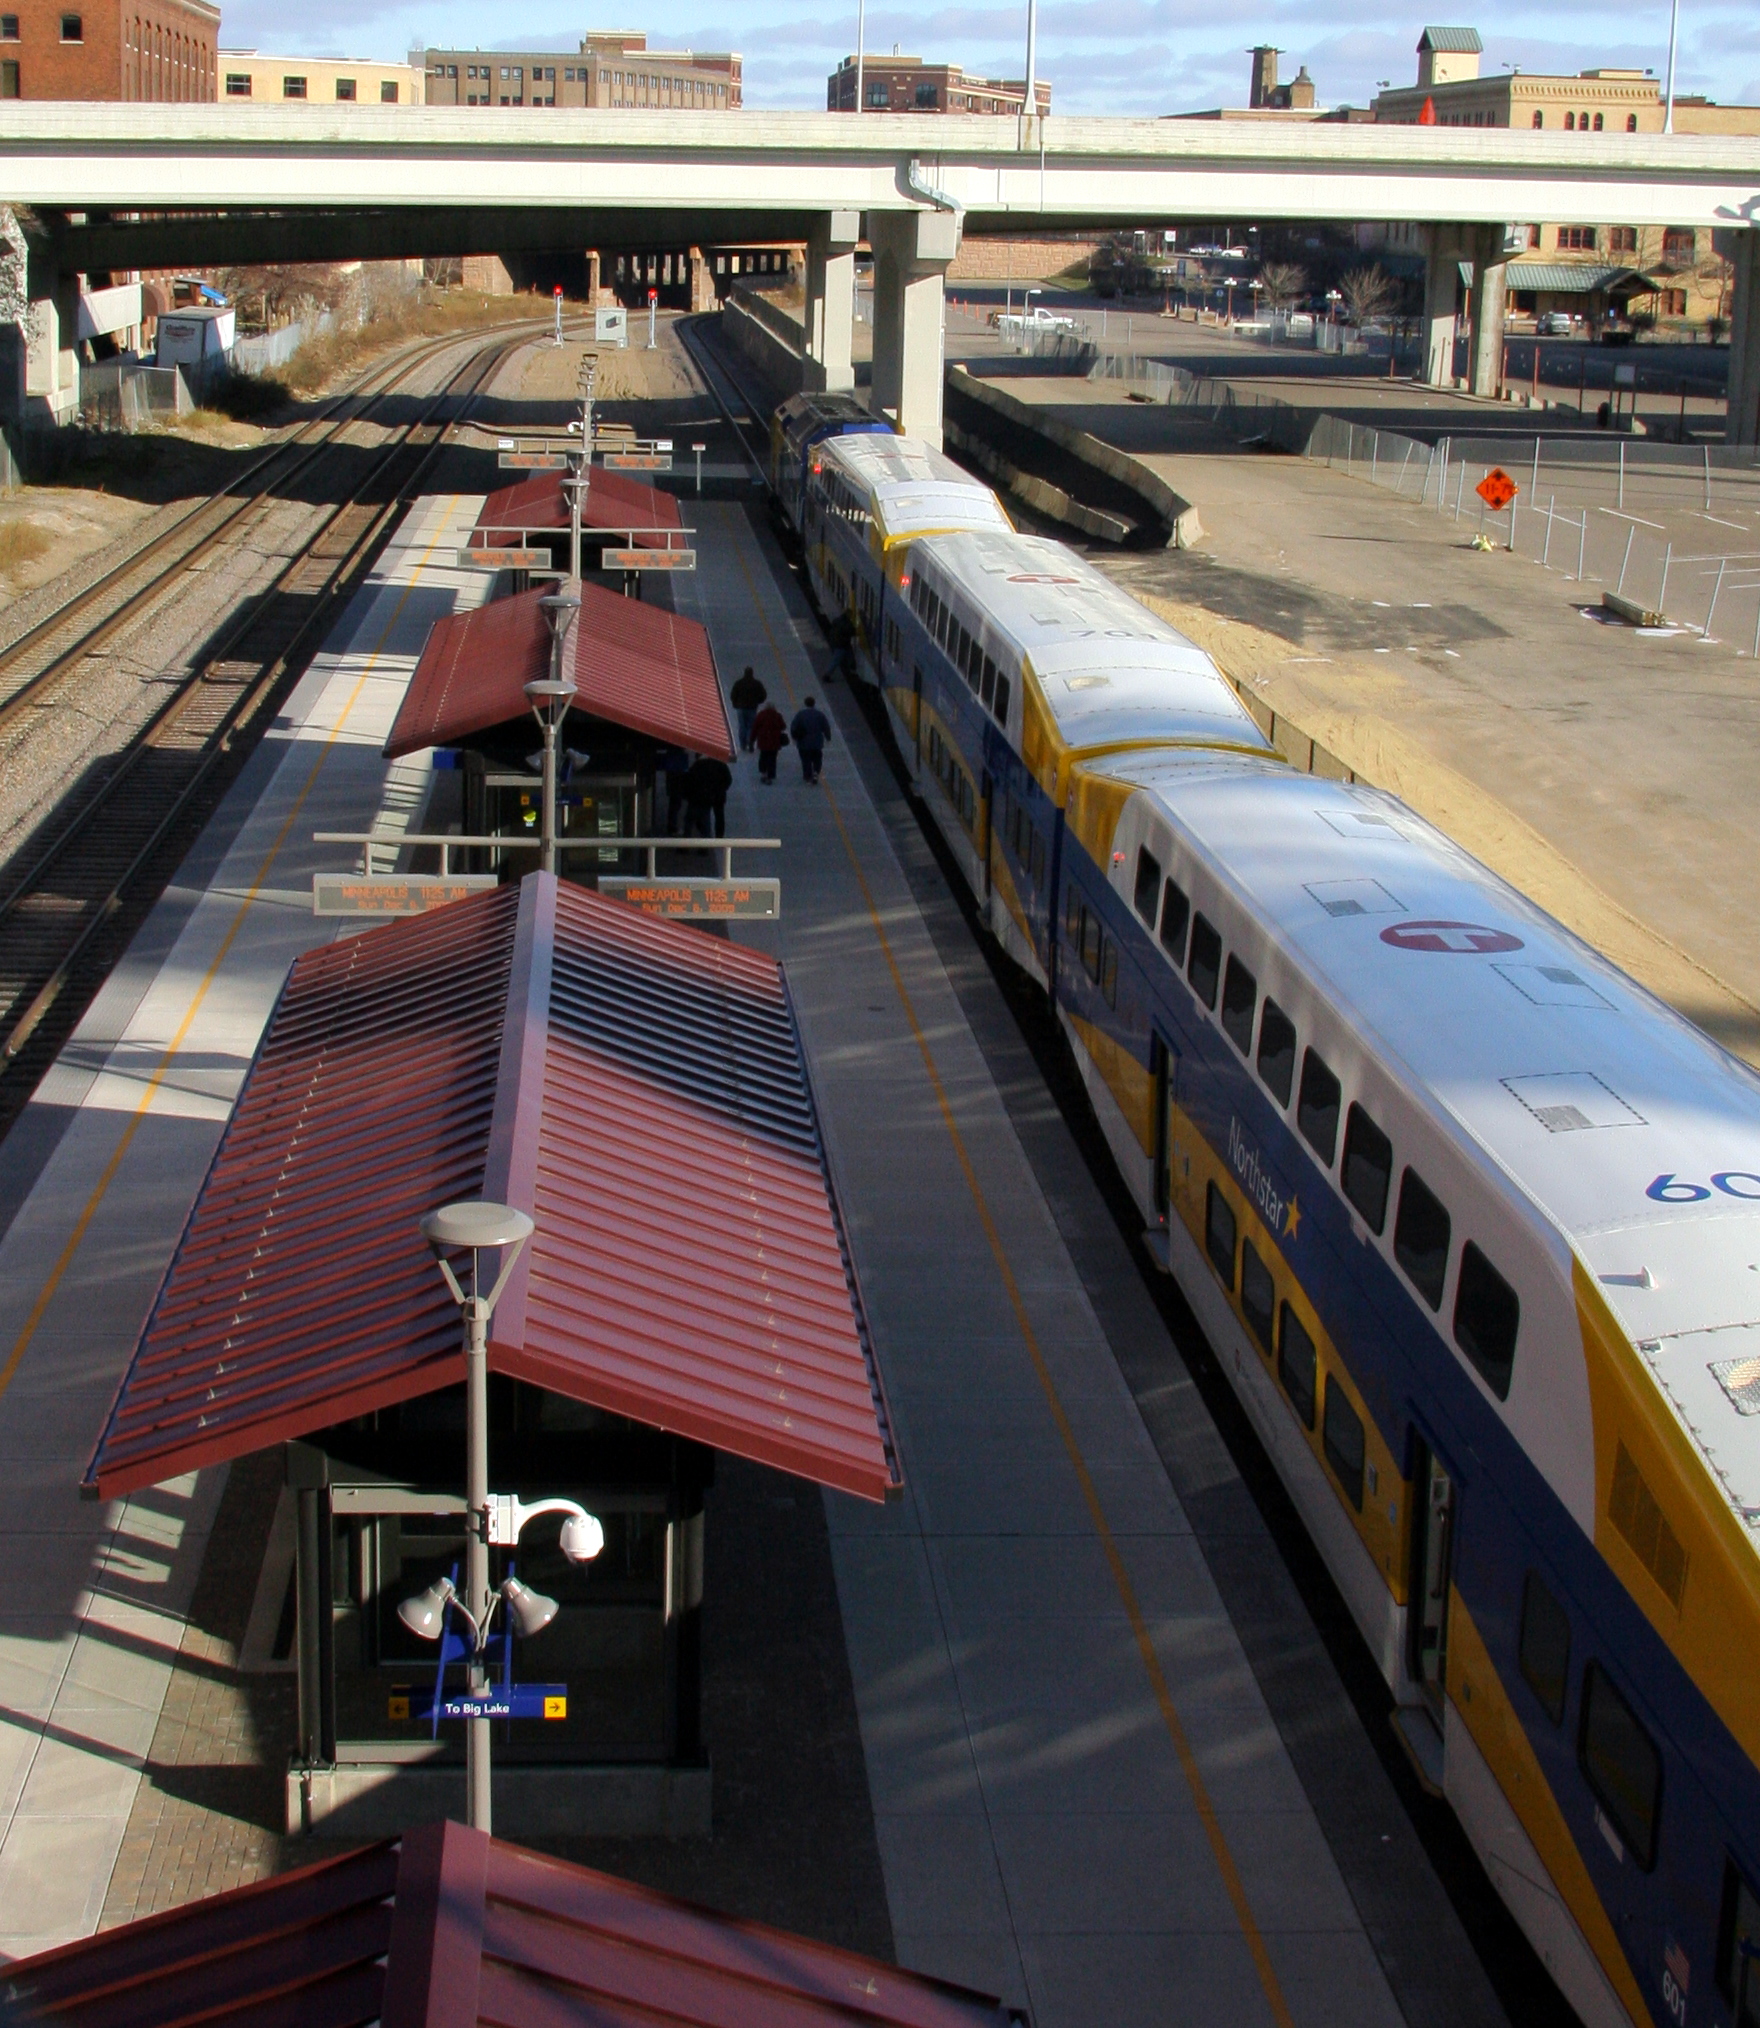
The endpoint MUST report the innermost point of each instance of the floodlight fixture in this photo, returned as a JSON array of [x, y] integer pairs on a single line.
[[529, 1612]]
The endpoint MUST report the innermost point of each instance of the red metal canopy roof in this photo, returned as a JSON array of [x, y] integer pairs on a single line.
[[637, 1087], [613, 501], [633, 663], [448, 1928]]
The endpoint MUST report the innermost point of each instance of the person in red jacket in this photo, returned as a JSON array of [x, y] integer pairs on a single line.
[[769, 736]]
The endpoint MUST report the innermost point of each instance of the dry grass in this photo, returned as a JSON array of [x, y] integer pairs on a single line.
[[428, 315], [22, 542]]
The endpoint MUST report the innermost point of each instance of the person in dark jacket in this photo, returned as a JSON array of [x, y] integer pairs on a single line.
[[810, 731], [769, 736], [672, 764], [705, 793], [745, 697]]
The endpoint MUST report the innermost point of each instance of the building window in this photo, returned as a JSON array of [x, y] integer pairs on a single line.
[[1671, 302], [345, 88], [1576, 238], [1622, 239], [452, 70], [926, 98], [8, 27], [1598, 123], [8, 79], [387, 91], [293, 87], [1539, 117], [238, 84], [1570, 123], [1631, 123], [1678, 243], [73, 28]]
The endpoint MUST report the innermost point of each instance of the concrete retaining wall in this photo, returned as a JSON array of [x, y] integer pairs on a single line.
[[765, 334], [1019, 260], [1129, 496]]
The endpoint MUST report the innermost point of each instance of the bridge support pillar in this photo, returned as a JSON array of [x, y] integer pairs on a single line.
[[1443, 253], [831, 281], [51, 327], [1490, 273], [912, 251], [1743, 426]]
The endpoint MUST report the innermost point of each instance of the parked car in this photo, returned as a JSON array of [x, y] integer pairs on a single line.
[[1556, 324]]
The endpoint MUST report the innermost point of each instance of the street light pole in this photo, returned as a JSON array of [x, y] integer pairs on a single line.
[[1674, 23], [550, 698], [469, 1228], [861, 37]]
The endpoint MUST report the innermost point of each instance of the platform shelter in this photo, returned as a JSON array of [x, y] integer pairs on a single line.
[[639, 1090], [644, 681], [448, 1927], [617, 512]]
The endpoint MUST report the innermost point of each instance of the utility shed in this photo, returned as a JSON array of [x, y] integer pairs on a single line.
[[644, 680], [448, 1928], [640, 1090]]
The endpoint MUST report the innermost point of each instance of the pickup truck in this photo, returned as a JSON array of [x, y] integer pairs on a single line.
[[1018, 324]]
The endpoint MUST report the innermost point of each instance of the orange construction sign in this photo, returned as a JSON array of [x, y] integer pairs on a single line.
[[1497, 489]]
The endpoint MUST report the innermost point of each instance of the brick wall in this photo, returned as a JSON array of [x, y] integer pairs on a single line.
[[1022, 260], [146, 49]]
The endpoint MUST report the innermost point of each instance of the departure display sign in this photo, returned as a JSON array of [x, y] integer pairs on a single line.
[[503, 559], [393, 894], [648, 559], [533, 461], [637, 461], [697, 900]]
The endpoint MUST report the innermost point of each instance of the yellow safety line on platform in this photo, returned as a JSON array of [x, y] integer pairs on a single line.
[[39, 1309], [1170, 1718]]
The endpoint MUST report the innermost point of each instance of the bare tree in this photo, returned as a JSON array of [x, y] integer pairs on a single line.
[[1284, 284], [1367, 294]]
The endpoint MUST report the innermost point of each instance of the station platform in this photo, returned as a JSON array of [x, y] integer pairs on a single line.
[[1085, 1796], [96, 1180]]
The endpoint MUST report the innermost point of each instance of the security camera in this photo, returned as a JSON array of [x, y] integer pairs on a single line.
[[583, 1536]]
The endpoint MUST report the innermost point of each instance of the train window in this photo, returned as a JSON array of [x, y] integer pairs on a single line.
[[1001, 698], [1091, 944], [1368, 1167], [1240, 995], [1621, 1764], [1738, 1938], [1296, 1364], [989, 692], [1072, 914], [1420, 1237], [1109, 972], [1341, 1435], [1036, 859], [1176, 912], [1148, 887], [1277, 1051], [1205, 963], [1317, 1107], [1545, 1648], [1487, 1313], [1258, 1295], [1219, 1234]]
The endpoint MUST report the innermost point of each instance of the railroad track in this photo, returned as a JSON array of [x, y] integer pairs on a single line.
[[63, 915]]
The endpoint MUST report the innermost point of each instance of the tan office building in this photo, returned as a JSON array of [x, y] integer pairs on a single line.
[[611, 69], [317, 80], [906, 84], [1670, 273]]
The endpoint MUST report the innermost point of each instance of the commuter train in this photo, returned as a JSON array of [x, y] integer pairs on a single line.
[[1472, 1220]]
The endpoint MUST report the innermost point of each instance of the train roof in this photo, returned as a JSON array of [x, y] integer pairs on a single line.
[[801, 414], [1108, 668], [1634, 1134], [911, 488]]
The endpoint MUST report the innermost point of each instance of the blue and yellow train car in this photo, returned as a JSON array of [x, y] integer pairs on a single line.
[[798, 427], [1472, 1220]]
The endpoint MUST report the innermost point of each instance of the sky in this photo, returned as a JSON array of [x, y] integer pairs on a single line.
[[1102, 56]]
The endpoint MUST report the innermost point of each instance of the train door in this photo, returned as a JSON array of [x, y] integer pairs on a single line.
[[1164, 1077], [986, 831], [1433, 1526]]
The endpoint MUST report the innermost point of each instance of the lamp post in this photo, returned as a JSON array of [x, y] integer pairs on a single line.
[[1674, 23], [1030, 97], [550, 697], [861, 37], [474, 1228]]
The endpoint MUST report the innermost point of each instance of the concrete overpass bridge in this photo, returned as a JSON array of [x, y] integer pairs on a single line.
[[151, 185]]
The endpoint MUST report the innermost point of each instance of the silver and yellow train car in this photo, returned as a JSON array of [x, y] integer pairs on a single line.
[[1472, 1220], [866, 499]]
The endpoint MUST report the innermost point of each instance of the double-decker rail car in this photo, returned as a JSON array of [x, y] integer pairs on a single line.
[[867, 498], [803, 421], [1472, 1220]]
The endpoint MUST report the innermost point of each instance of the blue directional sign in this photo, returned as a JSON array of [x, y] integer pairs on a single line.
[[504, 1700]]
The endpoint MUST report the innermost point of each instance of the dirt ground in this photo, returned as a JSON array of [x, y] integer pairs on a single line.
[[552, 372]]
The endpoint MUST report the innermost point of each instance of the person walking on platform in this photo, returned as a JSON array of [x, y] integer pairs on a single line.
[[769, 736], [705, 794], [673, 763], [810, 731], [745, 697]]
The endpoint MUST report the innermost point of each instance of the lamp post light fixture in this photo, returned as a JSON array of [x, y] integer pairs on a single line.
[[476, 1229], [550, 696]]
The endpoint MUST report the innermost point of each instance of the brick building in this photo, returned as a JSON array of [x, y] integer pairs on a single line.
[[319, 80], [611, 69], [906, 84], [114, 49]]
